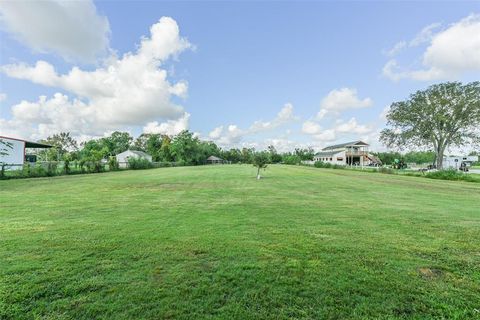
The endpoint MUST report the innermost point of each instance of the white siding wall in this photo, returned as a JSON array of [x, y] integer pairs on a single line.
[[16, 155], [122, 158], [340, 154]]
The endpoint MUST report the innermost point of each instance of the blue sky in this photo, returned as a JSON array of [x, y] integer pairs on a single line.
[[258, 73]]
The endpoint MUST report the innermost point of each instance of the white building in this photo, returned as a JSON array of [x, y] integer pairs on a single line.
[[462, 162], [15, 151], [122, 158], [350, 153]]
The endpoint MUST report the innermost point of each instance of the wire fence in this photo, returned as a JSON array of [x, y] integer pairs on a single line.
[[56, 168]]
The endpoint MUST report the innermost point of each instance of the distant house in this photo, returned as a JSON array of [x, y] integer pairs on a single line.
[[122, 158], [15, 152], [215, 160], [349, 153]]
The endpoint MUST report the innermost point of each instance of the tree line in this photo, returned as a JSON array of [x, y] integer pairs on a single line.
[[442, 116], [184, 149]]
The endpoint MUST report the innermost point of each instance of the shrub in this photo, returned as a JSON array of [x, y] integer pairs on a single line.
[[67, 158], [321, 164], [82, 164], [291, 159], [95, 166], [139, 163], [51, 169], [66, 166], [179, 163], [33, 171], [318, 164], [450, 174], [386, 170], [113, 163]]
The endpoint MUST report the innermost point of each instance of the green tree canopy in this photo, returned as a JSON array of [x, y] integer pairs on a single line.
[[234, 155], [185, 147], [117, 142], [305, 154], [443, 115], [261, 160], [150, 143], [63, 143]]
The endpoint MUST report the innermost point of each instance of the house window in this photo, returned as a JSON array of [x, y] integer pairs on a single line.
[[330, 159], [339, 159]]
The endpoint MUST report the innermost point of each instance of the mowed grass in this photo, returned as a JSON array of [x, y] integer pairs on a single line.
[[211, 242]]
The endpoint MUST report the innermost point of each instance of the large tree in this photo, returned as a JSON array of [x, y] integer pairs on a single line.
[[443, 115], [118, 142], [151, 143], [185, 147], [62, 143], [305, 154]]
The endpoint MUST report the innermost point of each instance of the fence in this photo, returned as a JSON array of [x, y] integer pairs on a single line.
[[56, 168]]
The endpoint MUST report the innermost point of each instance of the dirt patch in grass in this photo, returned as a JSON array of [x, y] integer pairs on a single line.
[[430, 273]]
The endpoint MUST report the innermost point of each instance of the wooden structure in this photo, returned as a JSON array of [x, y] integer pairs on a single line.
[[215, 160]]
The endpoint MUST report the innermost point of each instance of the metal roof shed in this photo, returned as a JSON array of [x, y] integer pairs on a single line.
[[15, 151]]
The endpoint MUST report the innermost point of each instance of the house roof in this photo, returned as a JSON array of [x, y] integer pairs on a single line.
[[213, 158], [137, 152], [347, 144], [140, 153], [326, 153], [30, 144]]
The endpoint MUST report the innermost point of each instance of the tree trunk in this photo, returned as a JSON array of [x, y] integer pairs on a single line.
[[441, 150], [258, 173]]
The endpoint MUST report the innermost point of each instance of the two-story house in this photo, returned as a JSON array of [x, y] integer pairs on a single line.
[[350, 153]]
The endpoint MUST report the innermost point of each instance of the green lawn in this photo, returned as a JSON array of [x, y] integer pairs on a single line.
[[213, 242]]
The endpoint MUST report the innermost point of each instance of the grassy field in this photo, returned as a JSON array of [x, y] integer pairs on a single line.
[[213, 242]]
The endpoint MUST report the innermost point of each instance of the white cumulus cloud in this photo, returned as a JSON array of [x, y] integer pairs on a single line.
[[72, 29], [352, 126], [232, 134], [340, 129], [311, 127], [399, 46], [343, 99], [126, 91], [425, 35], [451, 53], [169, 127], [340, 100], [326, 135], [216, 133]]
